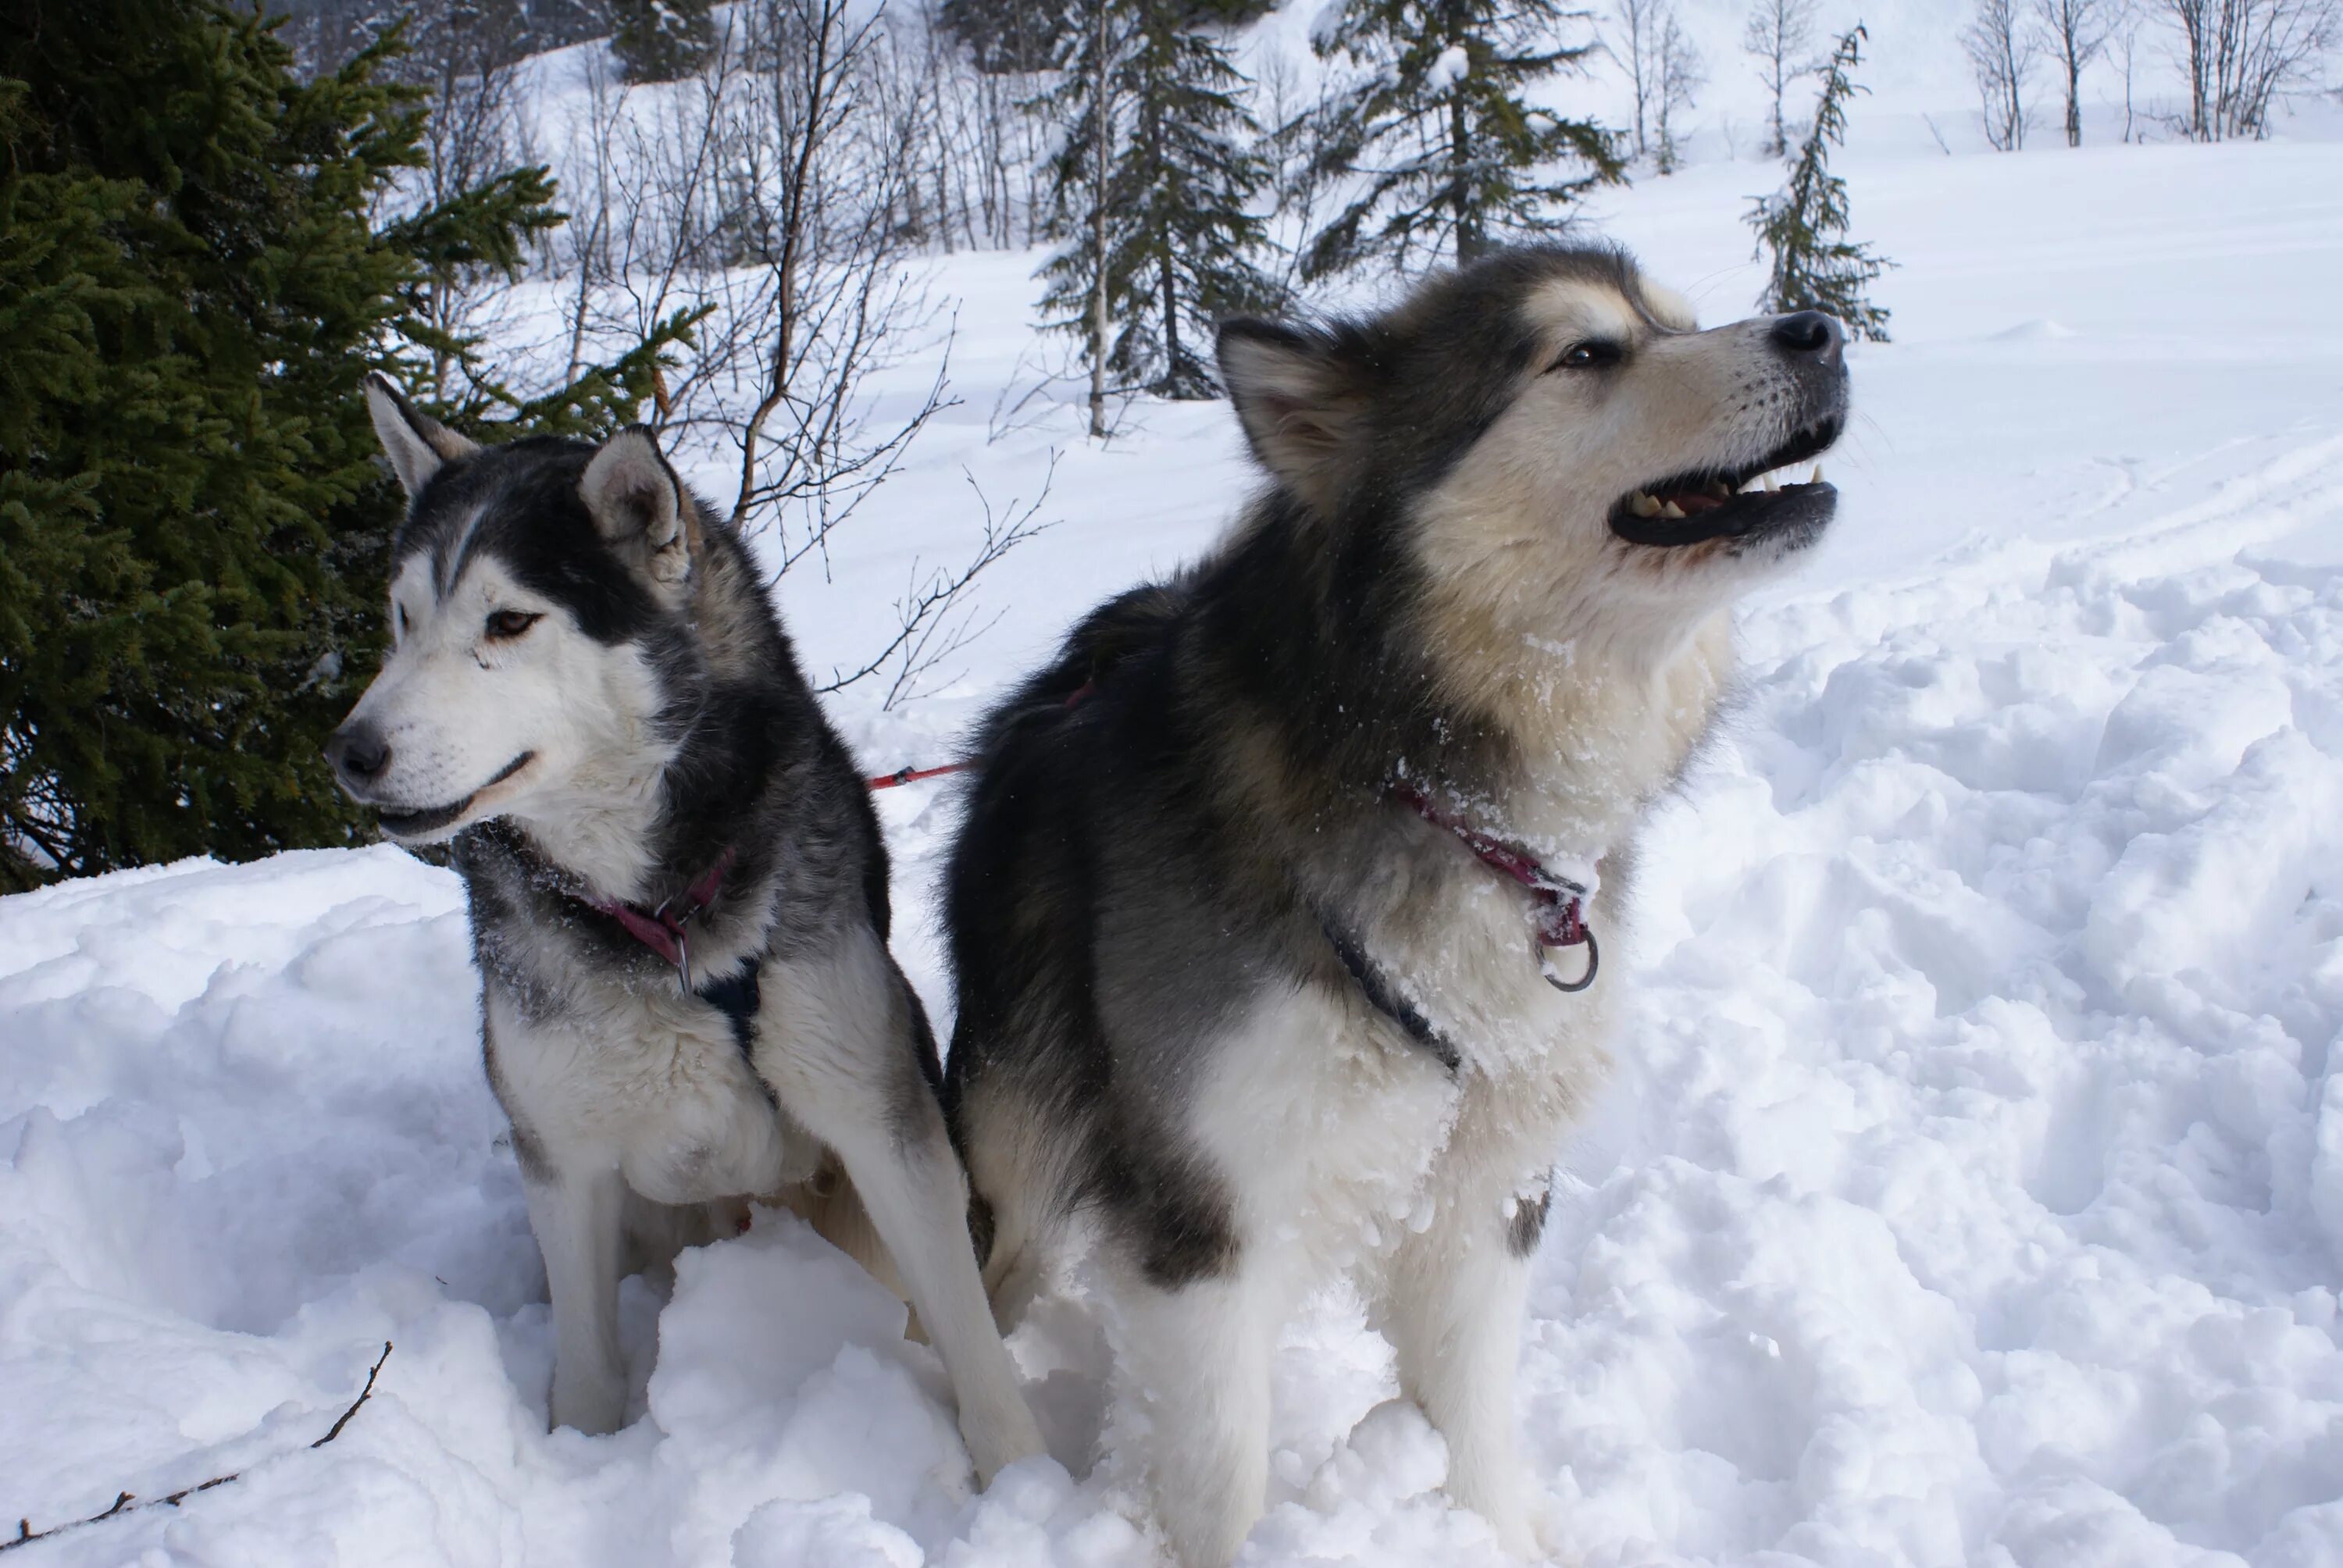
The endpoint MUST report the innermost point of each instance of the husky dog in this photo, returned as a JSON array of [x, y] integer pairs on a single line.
[[677, 887], [1274, 916]]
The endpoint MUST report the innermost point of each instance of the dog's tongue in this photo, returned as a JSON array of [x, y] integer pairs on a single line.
[[1693, 501]]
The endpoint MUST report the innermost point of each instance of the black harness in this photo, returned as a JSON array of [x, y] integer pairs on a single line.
[[1387, 1001], [736, 997]]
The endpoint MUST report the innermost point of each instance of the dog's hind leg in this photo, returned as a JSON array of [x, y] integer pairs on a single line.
[[1013, 1277], [578, 1220], [657, 1232], [1015, 1225], [836, 1047], [828, 1203]]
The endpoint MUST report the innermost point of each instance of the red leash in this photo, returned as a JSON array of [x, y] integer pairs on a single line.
[[913, 775]]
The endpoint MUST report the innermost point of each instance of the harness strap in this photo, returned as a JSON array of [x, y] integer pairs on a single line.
[[1388, 1002], [738, 997], [666, 930]]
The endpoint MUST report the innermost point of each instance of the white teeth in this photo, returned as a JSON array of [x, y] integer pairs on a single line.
[[1720, 489], [1643, 505], [1670, 510], [1817, 476], [1771, 483]]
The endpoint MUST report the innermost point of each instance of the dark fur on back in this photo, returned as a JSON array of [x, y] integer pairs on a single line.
[[1139, 864]]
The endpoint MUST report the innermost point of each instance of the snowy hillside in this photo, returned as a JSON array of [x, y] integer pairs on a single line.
[[1975, 1193]]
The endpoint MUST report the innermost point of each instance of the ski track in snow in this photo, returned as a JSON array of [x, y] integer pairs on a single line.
[[1972, 1192]]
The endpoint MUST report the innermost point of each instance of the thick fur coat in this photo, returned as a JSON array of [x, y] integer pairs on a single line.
[[590, 695], [1235, 1012]]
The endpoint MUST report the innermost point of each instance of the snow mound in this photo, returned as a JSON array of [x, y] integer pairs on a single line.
[[1983, 1201]]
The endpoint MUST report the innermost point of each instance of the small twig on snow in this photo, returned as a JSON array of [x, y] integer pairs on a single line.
[[125, 1503]]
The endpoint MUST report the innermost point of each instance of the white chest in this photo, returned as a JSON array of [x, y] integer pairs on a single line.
[[655, 1085]]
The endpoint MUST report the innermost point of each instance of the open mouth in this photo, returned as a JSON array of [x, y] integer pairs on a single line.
[[1764, 498], [414, 824]]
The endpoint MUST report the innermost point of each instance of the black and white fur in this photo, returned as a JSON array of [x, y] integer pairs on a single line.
[[589, 693], [1232, 1011]]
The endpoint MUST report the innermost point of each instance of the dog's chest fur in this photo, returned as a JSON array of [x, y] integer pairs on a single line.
[[615, 1061], [1453, 938]]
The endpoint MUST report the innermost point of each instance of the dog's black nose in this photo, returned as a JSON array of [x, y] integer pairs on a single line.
[[359, 753], [1809, 332]]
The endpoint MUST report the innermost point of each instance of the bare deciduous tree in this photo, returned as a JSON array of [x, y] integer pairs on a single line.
[[977, 154], [2001, 52], [2076, 32], [1679, 75], [465, 61], [2239, 55], [934, 618], [1295, 123], [1780, 34], [1639, 26], [2124, 40], [780, 198]]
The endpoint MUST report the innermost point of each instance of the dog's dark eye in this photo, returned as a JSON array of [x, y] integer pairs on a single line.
[[506, 624], [400, 611], [1592, 355]]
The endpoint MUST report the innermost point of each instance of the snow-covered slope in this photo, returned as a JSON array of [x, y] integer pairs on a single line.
[[1975, 1193]]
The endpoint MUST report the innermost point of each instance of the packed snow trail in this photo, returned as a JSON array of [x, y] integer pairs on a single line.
[[1974, 1192]]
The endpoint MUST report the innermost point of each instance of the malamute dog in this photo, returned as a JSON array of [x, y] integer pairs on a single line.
[[677, 887], [1277, 911]]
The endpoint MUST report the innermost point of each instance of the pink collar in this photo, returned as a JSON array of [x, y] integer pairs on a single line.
[[1560, 918], [664, 929]]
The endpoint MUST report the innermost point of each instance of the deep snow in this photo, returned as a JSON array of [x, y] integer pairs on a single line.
[[1975, 1193]]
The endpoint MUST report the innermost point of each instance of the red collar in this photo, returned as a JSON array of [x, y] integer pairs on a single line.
[[1559, 904], [664, 929]]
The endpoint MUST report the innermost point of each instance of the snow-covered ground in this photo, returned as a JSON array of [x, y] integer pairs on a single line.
[[1974, 1195]]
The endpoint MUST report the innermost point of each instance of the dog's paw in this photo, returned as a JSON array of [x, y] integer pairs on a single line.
[[595, 1406], [998, 1439], [1549, 1532]]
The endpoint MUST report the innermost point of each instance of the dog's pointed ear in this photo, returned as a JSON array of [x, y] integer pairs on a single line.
[[639, 504], [1300, 393], [416, 444]]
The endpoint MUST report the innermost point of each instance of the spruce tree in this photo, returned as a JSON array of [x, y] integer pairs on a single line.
[[1814, 266], [1152, 188], [1013, 36], [1024, 35], [662, 40], [1452, 157], [192, 522]]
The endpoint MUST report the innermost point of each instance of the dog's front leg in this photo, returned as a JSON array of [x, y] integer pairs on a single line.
[[1452, 1310], [838, 1052], [577, 1215], [912, 1185], [1195, 1358]]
